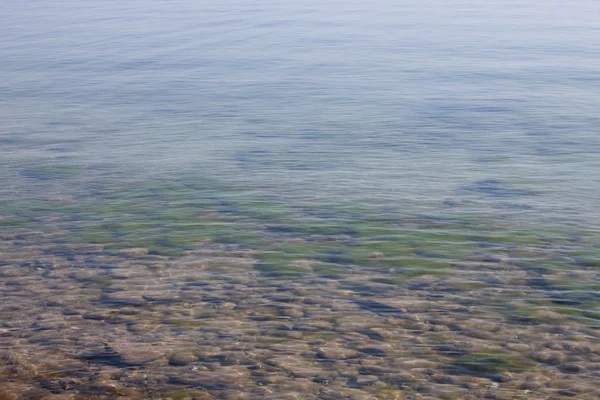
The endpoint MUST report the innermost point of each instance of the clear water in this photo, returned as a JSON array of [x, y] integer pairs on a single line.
[[391, 139], [382, 102]]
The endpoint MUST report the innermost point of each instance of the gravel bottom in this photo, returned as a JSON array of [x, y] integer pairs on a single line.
[[81, 322]]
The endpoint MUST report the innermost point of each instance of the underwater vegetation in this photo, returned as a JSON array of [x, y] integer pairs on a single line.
[[292, 238]]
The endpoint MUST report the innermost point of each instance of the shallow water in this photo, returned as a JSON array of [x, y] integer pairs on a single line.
[[341, 200]]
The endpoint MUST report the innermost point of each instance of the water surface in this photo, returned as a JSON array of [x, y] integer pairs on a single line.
[[241, 199]]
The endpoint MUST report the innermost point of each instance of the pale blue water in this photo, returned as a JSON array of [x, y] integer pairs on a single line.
[[378, 102]]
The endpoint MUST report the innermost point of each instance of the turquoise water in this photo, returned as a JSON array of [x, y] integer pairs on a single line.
[[369, 145]]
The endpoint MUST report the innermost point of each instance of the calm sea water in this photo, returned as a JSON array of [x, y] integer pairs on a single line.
[[381, 140], [381, 102]]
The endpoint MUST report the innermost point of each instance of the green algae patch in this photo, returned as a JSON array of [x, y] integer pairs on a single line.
[[26, 213], [240, 235], [375, 229], [588, 257], [379, 253], [319, 227], [10, 223], [182, 240], [525, 237], [304, 249], [330, 270], [398, 247], [492, 362], [295, 238], [259, 208]]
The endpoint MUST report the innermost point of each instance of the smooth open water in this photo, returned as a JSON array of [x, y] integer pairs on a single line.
[[317, 200]]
